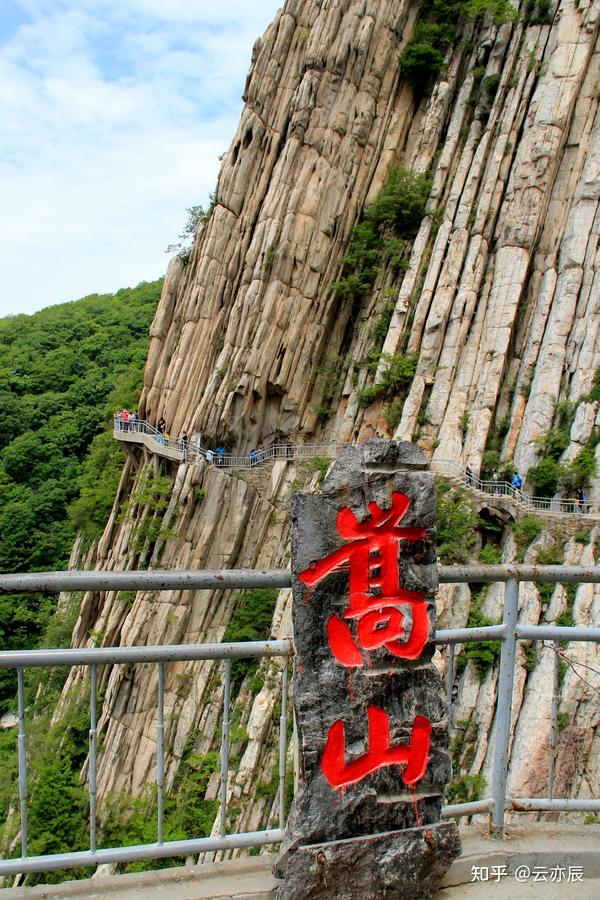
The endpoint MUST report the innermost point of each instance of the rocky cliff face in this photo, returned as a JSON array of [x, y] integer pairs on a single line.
[[496, 307]]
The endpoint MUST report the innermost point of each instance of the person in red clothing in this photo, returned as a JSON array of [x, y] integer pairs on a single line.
[[125, 419]]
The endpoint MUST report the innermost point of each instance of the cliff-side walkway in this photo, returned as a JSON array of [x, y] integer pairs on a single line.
[[138, 431]]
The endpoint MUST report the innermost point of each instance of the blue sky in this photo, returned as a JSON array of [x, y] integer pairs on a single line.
[[112, 119]]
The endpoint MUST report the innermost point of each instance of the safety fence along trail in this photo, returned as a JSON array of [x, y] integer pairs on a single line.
[[184, 449], [508, 633]]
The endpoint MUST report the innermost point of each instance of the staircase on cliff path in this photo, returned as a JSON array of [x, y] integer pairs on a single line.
[[138, 431]]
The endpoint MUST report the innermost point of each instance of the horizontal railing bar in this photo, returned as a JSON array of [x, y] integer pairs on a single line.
[[160, 653], [467, 809], [558, 804], [157, 579], [557, 633], [137, 852], [469, 573], [224, 579], [465, 635]]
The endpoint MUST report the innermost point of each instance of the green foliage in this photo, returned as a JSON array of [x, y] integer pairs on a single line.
[[382, 324], [538, 12], [594, 394], [554, 443], [396, 376], [457, 523], [525, 531], [466, 789], [422, 59], [548, 475], [62, 371], [483, 654], [196, 216], [463, 422], [250, 621], [550, 556], [98, 482], [391, 221], [490, 555], [583, 536], [400, 205], [530, 656], [151, 495], [580, 471], [187, 813], [57, 802], [319, 464]]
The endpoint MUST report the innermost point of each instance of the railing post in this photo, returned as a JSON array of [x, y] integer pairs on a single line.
[[450, 682], [22, 757], [225, 747], [160, 755], [553, 720], [283, 742], [93, 745], [506, 679]]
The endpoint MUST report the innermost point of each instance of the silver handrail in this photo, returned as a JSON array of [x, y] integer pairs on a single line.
[[508, 633]]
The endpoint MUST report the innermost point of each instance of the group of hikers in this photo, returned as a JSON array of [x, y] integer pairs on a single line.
[[516, 483], [126, 421], [129, 421]]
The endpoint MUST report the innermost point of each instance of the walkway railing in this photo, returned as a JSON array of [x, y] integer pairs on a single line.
[[140, 431], [508, 633], [190, 450], [551, 505]]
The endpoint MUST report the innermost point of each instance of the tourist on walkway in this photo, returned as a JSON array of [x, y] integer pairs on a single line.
[[469, 474], [220, 451], [253, 458], [162, 425], [132, 421], [209, 456], [125, 419], [580, 501], [184, 443], [495, 479], [517, 483]]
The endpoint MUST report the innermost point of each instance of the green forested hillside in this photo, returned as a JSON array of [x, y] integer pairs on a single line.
[[63, 371]]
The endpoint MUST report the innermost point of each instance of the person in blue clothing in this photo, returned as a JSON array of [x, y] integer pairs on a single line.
[[517, 482], [220, 455], [253, 458]]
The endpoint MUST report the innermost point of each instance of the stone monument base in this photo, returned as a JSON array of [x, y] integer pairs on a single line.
[[396, 865]]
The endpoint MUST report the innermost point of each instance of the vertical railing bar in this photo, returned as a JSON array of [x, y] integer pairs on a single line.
[[553, 721], [160, 753], [506, 678], [93, 750], [283, 743], [22, 756], [225, 746], [450, 681]]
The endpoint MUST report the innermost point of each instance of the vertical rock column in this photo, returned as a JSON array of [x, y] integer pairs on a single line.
[[371, 721]]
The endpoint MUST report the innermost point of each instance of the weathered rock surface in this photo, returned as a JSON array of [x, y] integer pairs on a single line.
[[400, 683], [400, 865]]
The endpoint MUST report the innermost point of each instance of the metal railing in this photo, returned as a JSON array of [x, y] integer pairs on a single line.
[[552, 505], [509, 632], [191, 451]]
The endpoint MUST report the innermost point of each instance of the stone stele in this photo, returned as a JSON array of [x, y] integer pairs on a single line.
[[371, 720]]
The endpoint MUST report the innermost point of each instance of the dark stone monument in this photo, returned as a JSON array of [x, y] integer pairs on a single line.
[[371, 721]]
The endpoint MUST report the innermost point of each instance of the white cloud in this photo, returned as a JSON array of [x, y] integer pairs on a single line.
[[112, 118]]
